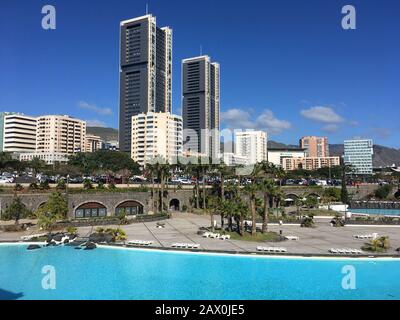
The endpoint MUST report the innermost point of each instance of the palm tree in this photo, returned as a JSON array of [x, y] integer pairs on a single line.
[[251, 190], [150, 172], [268, 188]]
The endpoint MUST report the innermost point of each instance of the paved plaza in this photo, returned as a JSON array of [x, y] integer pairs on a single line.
[[183, 228]]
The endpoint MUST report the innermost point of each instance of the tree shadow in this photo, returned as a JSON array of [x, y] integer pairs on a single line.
[[7, 295]]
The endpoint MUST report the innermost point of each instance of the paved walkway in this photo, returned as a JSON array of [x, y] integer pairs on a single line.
[[184, 228]]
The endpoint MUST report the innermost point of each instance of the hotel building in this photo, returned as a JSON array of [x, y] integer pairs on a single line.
[[201, 105], [315, 146], [252, 145], [17, 132], [156, 135], [358, 154], [145, 72]]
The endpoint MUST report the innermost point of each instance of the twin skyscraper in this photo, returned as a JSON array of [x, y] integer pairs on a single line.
[[146, 88]]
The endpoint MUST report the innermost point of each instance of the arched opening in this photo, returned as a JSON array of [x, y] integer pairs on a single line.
[[290, 200], [131, 208], [397, 195], [90, 210], [41, 205], [174, 205]]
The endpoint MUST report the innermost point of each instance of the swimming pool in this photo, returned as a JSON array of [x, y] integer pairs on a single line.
[[107, 273], [386, 212]]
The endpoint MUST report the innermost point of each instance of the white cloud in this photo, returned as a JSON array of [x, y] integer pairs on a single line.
[[322, 114], [331, 128], [95, 123], [94, 108], [240, 119]]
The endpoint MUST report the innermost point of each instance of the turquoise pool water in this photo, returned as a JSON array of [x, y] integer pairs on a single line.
[[386, 212], [107, 273]]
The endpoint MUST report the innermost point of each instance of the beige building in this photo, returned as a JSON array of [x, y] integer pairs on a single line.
[[252, 145], [92, 143], [309, 163], [315, 146], [156, 135], [60, 134], [275, 155], [17, 132]]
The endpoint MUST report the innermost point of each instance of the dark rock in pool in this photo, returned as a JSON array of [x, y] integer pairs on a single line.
[[90, 246], [75, 243], [58, 237], [33, 247], [77, 248], [101, 237]]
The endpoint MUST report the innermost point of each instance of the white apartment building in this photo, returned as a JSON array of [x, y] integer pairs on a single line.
[[92, 143], [275, 155], [358, 154], [232, 159], [17, 132], [251, 144], [156, 135]]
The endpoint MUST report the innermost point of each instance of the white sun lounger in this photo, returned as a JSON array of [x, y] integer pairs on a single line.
[[295, 238], [140, 242], [225, 237]]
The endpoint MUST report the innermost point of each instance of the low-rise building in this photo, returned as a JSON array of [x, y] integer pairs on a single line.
[[92, 143], [275, 155], [49, 158], [309, 163], [232, 159]]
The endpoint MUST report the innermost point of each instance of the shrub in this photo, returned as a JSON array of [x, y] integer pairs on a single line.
[[18, 187], [383, 191], [33, 186], [308, 222], [380, 244], [72, 230], [61, 185], [44, 185], [87, 184], [184, 208]]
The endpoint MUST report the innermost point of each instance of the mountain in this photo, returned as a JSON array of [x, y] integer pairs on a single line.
[[383, 156], [106, 134]]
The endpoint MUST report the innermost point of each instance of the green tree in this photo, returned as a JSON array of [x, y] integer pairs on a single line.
[[383, 192], [15, 211], [56, 208], [36, 165], [268, 188]]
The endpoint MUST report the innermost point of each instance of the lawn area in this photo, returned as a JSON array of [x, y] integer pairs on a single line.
[[261, 237]]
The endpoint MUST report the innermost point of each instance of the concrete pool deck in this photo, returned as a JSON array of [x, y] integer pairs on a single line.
[[183, 228]]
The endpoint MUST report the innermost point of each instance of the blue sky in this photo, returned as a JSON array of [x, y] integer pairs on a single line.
[[287, 67]]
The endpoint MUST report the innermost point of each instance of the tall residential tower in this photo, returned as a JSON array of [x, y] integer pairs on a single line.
[[201, 105], [145, 72]]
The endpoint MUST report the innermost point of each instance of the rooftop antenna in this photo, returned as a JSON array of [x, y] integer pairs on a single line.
[[147, 8], [201, 50]]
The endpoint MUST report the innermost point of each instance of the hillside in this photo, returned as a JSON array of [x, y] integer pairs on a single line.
[[106, 134]]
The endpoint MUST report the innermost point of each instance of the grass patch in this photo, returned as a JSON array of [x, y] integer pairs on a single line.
[[260, 237]]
